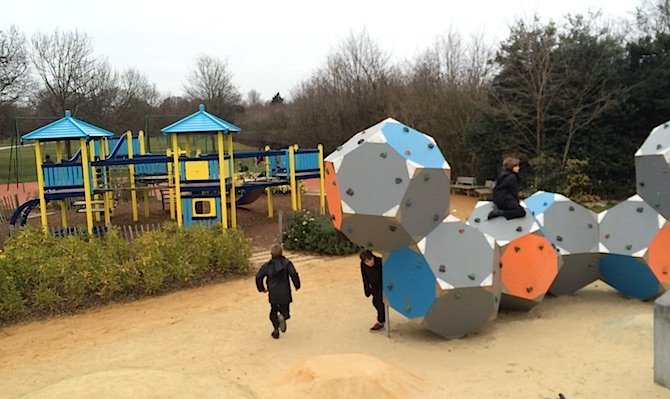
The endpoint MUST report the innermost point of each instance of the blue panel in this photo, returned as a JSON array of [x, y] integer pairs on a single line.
[[413, 145], [409, 284], [629, 276], [306, 161], [539, 202]]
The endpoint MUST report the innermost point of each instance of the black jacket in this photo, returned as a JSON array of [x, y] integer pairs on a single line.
[[506, 190], [372, 277], [277, 272]]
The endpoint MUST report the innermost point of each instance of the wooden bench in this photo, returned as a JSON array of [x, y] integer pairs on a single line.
[[465, 185], [486, 192]]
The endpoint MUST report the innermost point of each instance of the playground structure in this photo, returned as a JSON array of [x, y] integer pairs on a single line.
[[441, 271], [198, 187]]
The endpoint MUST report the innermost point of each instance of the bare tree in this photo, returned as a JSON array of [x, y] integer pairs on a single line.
[[15, 79], [66, 66], [211, 81], [253, 99]]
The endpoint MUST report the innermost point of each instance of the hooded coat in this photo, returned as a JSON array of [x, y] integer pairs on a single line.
[[506, 190], [276, 273]]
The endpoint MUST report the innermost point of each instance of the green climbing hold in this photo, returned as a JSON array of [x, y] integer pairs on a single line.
[[383, 155], [477, 220], [398, 180], [458, 295], [405, 129], [426, 177], [436, 218], [628, 247], [571, 208], [559, 238], [471, 276], [393, 228], [408, 202]]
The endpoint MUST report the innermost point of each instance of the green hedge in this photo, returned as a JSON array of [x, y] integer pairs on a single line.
[[316, 233], [42, 275]]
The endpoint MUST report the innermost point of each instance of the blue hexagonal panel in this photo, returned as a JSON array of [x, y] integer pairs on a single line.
[[409, 284]]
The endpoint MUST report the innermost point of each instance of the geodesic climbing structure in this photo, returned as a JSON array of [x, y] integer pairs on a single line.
[[387, 186], [452, 281], [573, 231], [626, 232], [652, 169], [529, 263]]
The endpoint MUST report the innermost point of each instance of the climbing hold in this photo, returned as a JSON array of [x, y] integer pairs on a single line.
[[389, 286], [383, 155], [477, 220], [529, 289], [408, 308], [398, 180], [350, 191], [408, 152], [426, 177], [461, 230], [339, 148], [641, 184], [361, 141], [431, 145], [628, 247], [393, 228], [659, 146], [334, 183], [559, 238], [519, 229], [541, 247], [369, 244], [607, 236], [639, 209], [458, 295], [436, 218], [408, 202], [350, 230], [517, 248], [471, 276], [571, 208], [405, 129], [589, 225], [443, 268]]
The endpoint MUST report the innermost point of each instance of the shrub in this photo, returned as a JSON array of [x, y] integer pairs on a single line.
[[310, 232], [41, 274]]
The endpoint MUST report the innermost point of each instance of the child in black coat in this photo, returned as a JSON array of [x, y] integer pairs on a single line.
[[371, 270], [506, 192], [277, 272]]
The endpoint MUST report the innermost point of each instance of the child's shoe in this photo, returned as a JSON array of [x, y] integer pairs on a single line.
[[275, 333], [377, 327], [282, 322]]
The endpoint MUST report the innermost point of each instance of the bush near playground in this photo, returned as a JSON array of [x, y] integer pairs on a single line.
[[42, 275], [307, 231]]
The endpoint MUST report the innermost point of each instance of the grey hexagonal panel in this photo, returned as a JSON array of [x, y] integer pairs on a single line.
[[462, 311], [652, 169]]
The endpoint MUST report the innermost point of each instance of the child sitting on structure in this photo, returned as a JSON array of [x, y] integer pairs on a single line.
[[506, 192]]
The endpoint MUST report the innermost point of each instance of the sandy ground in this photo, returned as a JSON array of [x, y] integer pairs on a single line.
[[214, 342]]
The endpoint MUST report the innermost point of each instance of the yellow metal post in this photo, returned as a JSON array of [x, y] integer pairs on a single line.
[[291, 172], [40, 186], [106, 199], [87, 185], [131, 176], [268, 190], [177, 178], [94, 177], [145, 192], [322, 182], [63, 205], [233, 194], [170, 183], [222, 180]]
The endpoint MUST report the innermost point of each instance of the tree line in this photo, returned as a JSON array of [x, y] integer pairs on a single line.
[[573, 98]]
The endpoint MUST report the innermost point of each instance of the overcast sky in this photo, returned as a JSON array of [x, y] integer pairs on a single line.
[[271, 46]]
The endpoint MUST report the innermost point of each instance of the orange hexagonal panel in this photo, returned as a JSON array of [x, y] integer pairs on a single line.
[[529, 267], [659, 256], [333, 195]]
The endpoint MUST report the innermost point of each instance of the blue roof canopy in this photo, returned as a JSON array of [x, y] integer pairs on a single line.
[[66, 128], [201, 122]]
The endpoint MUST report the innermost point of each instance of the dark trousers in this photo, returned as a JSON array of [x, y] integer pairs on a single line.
[[276, 308], [514, 213], [378, 303]]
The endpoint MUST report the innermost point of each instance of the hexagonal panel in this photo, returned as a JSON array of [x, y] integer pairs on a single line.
[[409, 284], [462, 311]]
